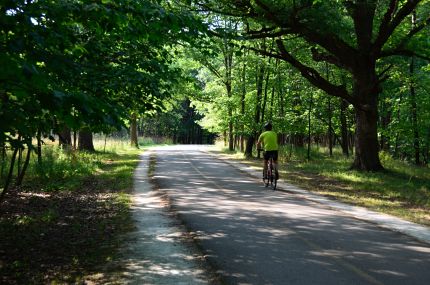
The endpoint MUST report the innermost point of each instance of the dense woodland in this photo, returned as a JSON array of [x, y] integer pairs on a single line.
[[353, 74]]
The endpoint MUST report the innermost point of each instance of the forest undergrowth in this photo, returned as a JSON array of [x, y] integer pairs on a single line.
[[65, 223]]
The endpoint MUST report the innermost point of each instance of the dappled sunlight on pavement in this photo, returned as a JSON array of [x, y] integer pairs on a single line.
[[253, 235], [156, 253]]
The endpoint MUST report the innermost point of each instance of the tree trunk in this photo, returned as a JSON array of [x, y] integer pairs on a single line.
[[19, 157], [366, 89], [272, 99], [133, 131], [9, 176], [230, 121], [330, 117], [65, 137], [20, 177], [85, 140], [344, 127], [330, 128], [258, 111], [366, 140], [259, 82], [227, 49], [242, 106], [74, 139], [3, 159], [39, 148], [266, 87], [309, 127], [249, 145]]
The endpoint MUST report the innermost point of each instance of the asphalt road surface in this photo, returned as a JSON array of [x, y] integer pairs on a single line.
[[252, 235]]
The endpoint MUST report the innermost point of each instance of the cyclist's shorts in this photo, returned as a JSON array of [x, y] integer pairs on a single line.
[[271, 153]]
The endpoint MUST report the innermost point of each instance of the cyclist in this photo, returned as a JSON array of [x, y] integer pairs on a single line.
[[269, 139]]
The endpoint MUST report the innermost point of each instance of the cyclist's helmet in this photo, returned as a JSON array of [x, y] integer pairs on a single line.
[[268, 126]]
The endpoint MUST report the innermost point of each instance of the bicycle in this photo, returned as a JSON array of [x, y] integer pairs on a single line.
[[270, 177]]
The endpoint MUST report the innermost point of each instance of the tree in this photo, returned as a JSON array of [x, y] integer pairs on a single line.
[[83, 65], [221, 64], [350, 35]]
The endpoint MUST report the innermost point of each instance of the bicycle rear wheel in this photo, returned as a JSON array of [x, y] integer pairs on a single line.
[[266, 178], [273, 180]]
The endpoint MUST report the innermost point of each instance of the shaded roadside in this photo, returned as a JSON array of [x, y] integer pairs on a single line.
[[157, 251]]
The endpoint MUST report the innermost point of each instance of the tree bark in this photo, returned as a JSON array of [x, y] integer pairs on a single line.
[[230, 121], [344, 127], [65, 137], [133, 131], [227, 50], [3, 159], [21, 175], [249, 145], [39, 148], [366, 89], [266, 87], [85, 140], [74, 139], [366, 140], [19, 157], [242, 106], [330, 127], [9, 176], [309, 127]]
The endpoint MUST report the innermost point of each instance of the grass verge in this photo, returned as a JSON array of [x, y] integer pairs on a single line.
[[402, 190], [66, 222]]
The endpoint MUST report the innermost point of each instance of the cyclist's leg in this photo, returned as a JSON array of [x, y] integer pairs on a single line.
[[265, 162], [265, 168]]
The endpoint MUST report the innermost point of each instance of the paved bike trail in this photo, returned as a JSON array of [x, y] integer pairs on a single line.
[[156, 251], [251, 235]]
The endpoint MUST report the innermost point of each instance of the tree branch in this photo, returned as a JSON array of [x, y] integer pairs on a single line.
[[383, 27], [382, 77], [319, 56], [403, 52], [329, 41], [413, 32], [227, 10], [387, 28], [252, 35], [313, 76]]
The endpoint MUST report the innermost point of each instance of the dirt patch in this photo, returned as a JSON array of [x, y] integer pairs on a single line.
[[60, 236]]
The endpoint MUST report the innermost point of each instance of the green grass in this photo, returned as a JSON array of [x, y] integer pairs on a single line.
[[67, 219], [402, 189]]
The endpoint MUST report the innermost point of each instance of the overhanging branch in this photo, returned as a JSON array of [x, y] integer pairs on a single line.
[[320, 56], [387, 28], [413, 32], [313, 76], [403, 52]]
